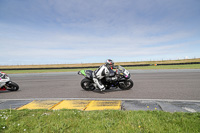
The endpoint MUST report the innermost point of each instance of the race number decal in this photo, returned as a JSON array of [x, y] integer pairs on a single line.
[[126, 72]]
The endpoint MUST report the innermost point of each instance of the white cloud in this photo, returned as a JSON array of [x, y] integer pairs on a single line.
[[79, 30]]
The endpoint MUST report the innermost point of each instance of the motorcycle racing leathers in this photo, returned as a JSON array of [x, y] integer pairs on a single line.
[[2, 82], [101, 72]]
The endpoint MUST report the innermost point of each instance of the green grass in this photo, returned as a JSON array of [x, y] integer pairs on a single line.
[[109, 121], [40, 71], [192, 66]]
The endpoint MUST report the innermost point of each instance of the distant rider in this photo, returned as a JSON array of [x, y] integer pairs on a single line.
[[106, 71], [1, 81]]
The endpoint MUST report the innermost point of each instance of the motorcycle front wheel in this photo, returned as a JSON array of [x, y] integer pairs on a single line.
[[126, 85], [87, 84], [12, 86]]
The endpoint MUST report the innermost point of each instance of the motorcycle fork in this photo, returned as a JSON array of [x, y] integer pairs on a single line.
[[122, 83]]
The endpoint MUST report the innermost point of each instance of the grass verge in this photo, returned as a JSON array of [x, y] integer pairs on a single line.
[[190, 66], [97, 121], [99, 64], [40, 71]]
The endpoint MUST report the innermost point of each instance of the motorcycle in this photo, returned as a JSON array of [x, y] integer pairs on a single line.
[[6, 83], [121, 76]]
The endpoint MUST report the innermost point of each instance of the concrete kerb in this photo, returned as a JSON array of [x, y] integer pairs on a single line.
[[164, 105], [13, 104], [126, 104]]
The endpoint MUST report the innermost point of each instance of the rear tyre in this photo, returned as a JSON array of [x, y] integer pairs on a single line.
[[12, 86], [87, 84], [128, 84]]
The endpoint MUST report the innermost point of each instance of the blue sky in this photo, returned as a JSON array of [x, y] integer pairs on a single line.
[[87, 31]]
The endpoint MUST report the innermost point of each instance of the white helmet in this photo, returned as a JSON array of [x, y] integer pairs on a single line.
[[109, 63]]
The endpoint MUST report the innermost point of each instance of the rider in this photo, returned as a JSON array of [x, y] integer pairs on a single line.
[[106, 71], [1, 81]]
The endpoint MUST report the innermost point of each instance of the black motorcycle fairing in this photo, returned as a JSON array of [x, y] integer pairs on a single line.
[[86, 73], [89, 74]]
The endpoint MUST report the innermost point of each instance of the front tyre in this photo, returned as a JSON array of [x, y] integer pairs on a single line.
[[87, 84], [12, 86], [126, 85]]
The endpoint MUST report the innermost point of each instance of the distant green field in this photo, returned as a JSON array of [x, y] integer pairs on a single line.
[[40, 71], [108, 121], [191, 66]]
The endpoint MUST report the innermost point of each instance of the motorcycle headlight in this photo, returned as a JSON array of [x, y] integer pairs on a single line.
[[127, 76]]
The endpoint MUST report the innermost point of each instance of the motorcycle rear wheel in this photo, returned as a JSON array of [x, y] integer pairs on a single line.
[[87, 84], [128, 84], [12, 86]]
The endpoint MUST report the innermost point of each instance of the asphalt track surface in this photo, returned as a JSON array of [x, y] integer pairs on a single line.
[[148, 84]]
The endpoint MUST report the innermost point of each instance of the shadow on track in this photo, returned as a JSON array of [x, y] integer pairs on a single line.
[[113, 89], [7, 91]]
